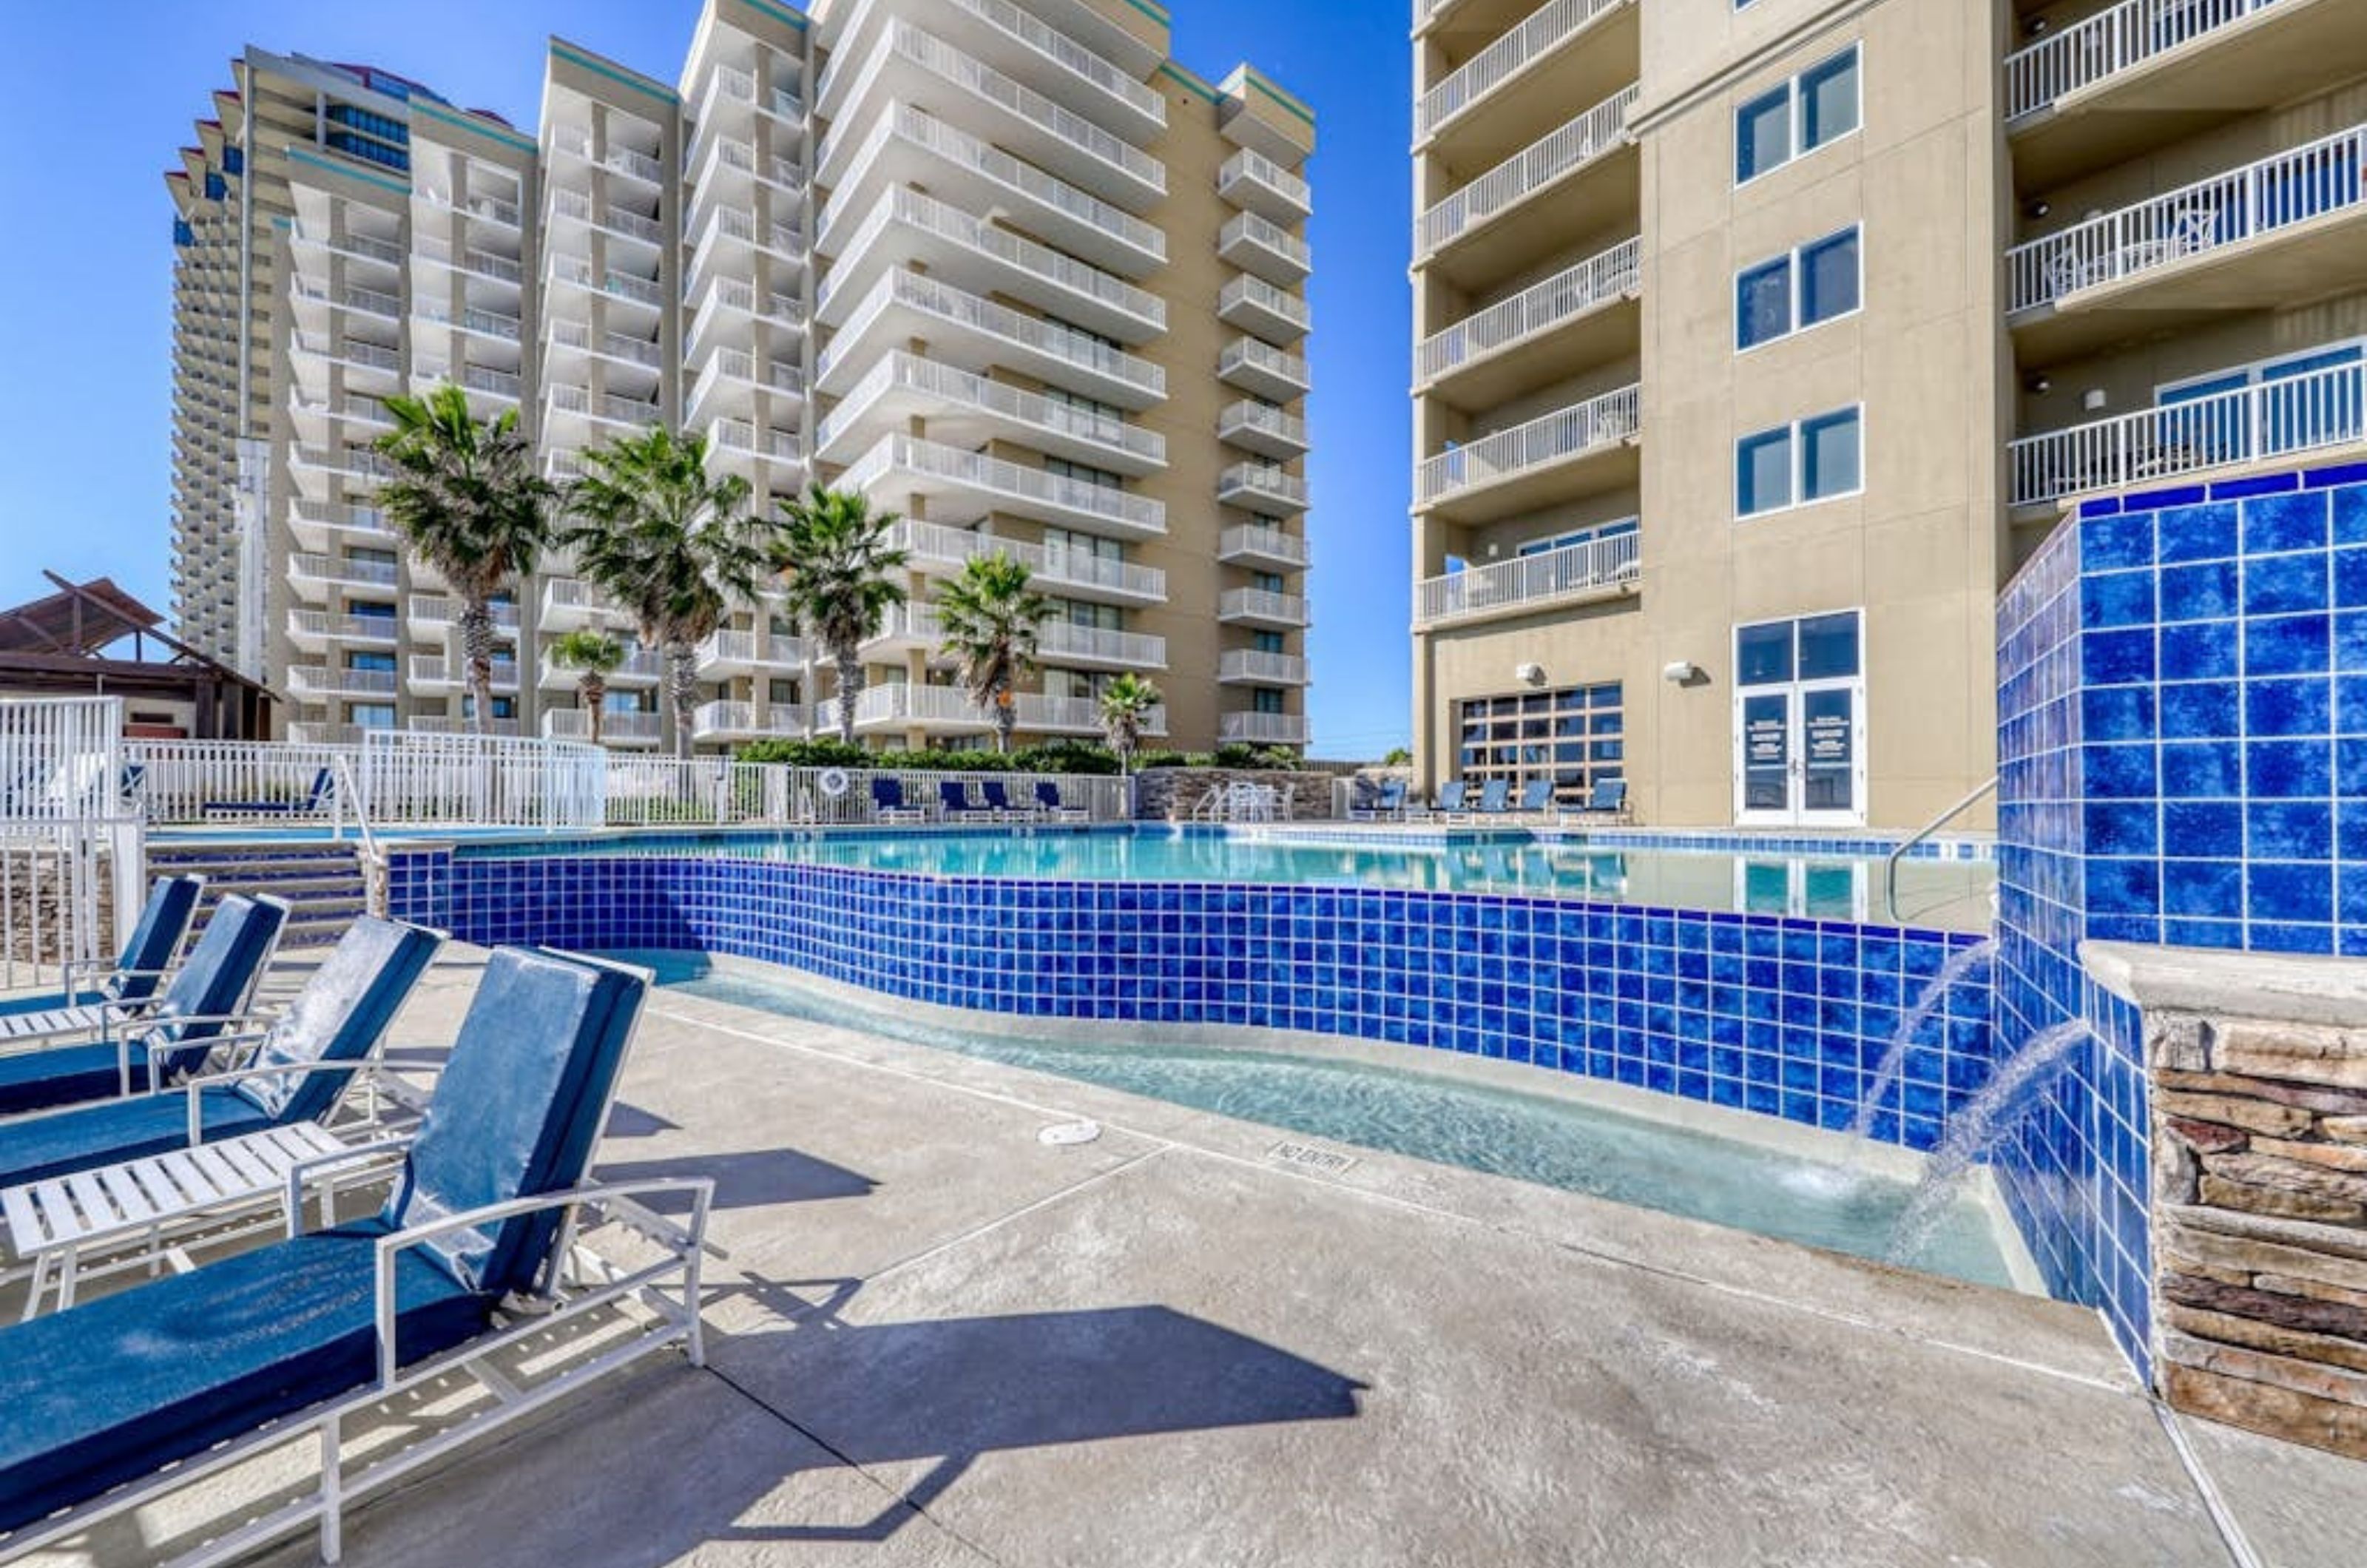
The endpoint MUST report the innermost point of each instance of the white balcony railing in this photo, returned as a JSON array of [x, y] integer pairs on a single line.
[[2318, 178], [2270, 420], [1262, 604], [1014, 484], [1057, 565], [1258, 665], [961, 308], [1070, 55], [1247, 231], [904, 204], [1000, 168], [1262, 729], [1599, 422], [1257, 293], [1262, 484], [1580, 142], [1249, 168], [327, 569], [909, 372], [1253, 541], [1083, 715], [1527, 581], [1541, 32], [1060, 640], [617, 727], [1251, 355], [1236, 418], [1536, 309], [315, 624], [2098, 48]]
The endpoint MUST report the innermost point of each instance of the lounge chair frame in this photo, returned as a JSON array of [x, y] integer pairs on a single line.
[[671, 1320]]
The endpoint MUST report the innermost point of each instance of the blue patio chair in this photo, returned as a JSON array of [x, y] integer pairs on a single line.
[[953, 802], [888, 801], [316, 798], [147, 957], [169, 1039], [288, 1340], [998, 801], [1606, 801], [1387, 805], [1449, 802], [1047, 800], [297, 1071], [1536, 799], [1494, 797]]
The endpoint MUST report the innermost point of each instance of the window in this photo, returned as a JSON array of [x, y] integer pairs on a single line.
[[370, 716], [1267, 582], [1792, 465], [1574, 737], [1579, 537], [1076, 683], [1267, 642], [1100, 617], [1818, 106], [1084, 473], [381, 662], [1266, 699], [1796, 290], [781, 690]]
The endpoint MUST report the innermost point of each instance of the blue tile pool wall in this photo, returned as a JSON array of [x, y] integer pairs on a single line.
[[1788, 1018], [2182, 759]]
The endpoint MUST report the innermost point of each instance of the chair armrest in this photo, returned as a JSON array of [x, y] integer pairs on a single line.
[[196, 1084], [701, 1187], [292, 1194]]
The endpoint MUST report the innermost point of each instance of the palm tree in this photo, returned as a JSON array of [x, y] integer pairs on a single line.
[[465, 497], [988, 617], [596, 654], [1126, 703], [842, 575], [672, 543]]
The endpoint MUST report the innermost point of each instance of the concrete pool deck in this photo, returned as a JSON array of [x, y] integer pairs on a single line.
[[939, 1339]]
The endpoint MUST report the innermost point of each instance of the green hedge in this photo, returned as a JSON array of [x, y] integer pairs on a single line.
[[1053, 757]]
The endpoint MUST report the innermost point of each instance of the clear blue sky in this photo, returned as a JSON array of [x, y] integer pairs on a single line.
[[103, 100]]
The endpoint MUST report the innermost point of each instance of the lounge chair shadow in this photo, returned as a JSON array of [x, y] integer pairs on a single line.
[[747, 1181], [627, 1121]]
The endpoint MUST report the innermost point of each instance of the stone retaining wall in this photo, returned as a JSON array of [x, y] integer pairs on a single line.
[[2260, 1198], [1174, 793], [33, 884]]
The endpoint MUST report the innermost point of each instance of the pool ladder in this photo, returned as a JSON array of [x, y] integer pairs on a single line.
[[1899, 852]]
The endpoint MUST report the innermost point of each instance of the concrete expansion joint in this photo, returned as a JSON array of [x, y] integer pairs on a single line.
[[2223, 1519]]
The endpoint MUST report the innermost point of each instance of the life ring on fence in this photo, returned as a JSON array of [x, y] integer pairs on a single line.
[[834, 782]]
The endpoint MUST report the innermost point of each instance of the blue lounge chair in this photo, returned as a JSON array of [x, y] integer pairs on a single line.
[[888, 802], [1047, 800], [172, 1039], [1494, 797], [315, 799], [998, 801], [123, 991], [193, 1373], [296, 1071], [1387, 806], [953, 802], [1536, 799], [1607, 801], [1450, 797]]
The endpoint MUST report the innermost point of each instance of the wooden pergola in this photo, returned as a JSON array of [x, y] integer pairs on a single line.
[[67, 644]]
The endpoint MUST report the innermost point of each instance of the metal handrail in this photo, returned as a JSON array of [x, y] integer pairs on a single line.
[[1899, 852], [347, 793]]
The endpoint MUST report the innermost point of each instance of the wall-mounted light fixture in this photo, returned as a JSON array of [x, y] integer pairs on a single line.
[[2039, 385], [1683, 672], [2095, 401], [1529, 674]]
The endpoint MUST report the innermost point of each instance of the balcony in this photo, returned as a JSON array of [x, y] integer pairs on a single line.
[[730, 380], [316, 629], [1263, 429], [438, 611], [642, 293], [977, 334], [617, 729], [1262, 607], [571, 604], [1584, 314], [2270, 422], [606, 408], [1262, 487], [732, 237], [327, 681], [1588, 165], [969, 410], [913, 147], [312, 522], [308, 570], [727, 307], [1600, 568], [1255, 183], [1251, 544], [432, 674], [1002, 35], [1587, 446], [1526, 78], [1078, 573], [2139, 74], [1262, 369], [1268, 250], [642, 668], [964, 485], [777, 448], [907, 64], [731, 169], [1256, 306], [634, 164], [1076, 715], [1262, 729], [906, 706], [574, 213], [1065, 643], [909, 229], [718, 722], [731, 653], [578, 337], [1257, 667], [2286, 228]]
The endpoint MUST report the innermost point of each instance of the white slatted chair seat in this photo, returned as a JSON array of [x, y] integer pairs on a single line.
[[85, 1019]]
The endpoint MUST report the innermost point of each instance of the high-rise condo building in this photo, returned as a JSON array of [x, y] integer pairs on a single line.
[[1006, 268], [1755, 341]]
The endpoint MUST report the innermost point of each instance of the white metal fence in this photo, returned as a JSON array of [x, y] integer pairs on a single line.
[[399, 779], [650, 792], [2096, 48], [71, 850], [1592, 133], [1598, 422]]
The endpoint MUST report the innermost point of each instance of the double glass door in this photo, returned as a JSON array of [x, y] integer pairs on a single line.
[[1799, 723]]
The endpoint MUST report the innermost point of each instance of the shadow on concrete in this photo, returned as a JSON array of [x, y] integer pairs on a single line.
[[632, 1122], [746, 1180]]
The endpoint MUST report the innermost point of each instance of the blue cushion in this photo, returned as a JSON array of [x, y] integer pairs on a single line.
[[66, 1075], [517, 1108], [221, 973], [93, 1135], [172, 902], [339, 1016], [118, 1387]]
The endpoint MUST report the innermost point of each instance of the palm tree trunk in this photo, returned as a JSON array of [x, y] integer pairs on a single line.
[[477, 650], [681, 687], [1006, 719], [595, 701], [850, 687]]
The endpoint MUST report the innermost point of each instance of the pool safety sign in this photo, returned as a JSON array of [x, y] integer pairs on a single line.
[[1310, 1158], [1829, 739]]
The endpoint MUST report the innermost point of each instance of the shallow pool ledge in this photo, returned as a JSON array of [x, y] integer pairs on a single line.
[[2256, 1089]]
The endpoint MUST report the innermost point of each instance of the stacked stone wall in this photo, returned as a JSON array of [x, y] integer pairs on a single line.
[[1163, 794]]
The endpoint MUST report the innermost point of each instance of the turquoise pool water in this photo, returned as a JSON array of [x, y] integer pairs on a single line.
[[1547, 1140], [1937, 893]]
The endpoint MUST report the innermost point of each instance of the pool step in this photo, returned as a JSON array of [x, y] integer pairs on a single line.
[[322, 884]]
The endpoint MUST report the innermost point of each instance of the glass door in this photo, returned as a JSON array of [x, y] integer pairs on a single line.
[[1799, 723]]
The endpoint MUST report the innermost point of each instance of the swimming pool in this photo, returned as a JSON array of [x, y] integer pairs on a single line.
[[1945, 894], [1552, 1141]]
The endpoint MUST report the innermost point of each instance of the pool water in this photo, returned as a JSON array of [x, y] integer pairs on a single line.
[[1551, 1141], [1935, 894]]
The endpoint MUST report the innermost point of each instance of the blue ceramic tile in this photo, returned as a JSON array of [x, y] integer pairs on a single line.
[[2122, 828], [2292, 522], [2205, 829], [2203, 591], [2197, 533], [2203, 650], [2203, 770], [2108, 543], [2119, 771], [2288, 707], [2213, 888], [2278, 585], [2254, 485], [2280, 831], [2287, 645], [2117, 713], [2117, 658], [2200, 710], [2349, 575], [2124, 599], [2289, 769]]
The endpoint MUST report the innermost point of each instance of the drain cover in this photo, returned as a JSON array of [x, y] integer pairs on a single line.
[[1064, 1132], [1308, 1159]]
